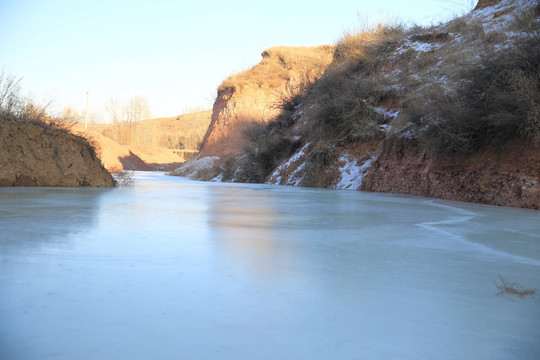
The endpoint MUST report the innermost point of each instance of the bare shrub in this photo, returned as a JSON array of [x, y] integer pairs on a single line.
[[360, 51], [124, 178], [207, 173], [345, 110], [10, 99], [293, 94], [267, 145], [457, 25], [506, 288]]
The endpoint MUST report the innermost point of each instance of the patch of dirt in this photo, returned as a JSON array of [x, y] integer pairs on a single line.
[[485, 3], [115, 157]]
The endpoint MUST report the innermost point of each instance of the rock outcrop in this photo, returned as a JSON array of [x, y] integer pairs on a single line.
[[34, 154]]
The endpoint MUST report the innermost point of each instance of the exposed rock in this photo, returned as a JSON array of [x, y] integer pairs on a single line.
[[37, 155]]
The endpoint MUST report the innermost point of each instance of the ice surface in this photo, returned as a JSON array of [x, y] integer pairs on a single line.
[[177, 269]]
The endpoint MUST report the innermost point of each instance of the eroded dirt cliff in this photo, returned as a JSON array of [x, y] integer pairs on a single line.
[[254, 96], [505, 176], [33, 154]]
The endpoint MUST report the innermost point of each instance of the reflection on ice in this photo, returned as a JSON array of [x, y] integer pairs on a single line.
[[172, 268]]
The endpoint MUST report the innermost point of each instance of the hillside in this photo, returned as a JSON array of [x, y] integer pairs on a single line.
[[156, 144], [39, 154], [450, 111]]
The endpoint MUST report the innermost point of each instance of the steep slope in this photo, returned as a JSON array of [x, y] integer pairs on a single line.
[[449, 111], [32, 154], [253, 96], [115, 157]]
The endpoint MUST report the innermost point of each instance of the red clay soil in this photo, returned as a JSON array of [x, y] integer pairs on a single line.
[[485, 3], [505, 176]]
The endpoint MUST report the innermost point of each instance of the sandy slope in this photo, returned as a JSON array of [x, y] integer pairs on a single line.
[[37, 155]]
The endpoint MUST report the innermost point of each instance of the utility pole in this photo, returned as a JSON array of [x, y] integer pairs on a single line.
[[86, 112]]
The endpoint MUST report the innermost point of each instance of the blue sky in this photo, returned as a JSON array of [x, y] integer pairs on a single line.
[[174, 53]]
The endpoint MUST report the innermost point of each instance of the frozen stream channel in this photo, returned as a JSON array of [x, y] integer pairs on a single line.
[[176, 269]]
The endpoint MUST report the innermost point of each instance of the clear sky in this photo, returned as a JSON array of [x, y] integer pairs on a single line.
[[174, 53]]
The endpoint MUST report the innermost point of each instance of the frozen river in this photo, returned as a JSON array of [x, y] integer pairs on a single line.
[[176, 269]]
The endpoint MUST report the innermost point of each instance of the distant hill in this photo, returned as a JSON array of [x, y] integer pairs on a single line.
[[156, 144], [38, 153]]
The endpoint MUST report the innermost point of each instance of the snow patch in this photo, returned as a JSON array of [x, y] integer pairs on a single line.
[[353, 174], [276, 177], [192, 167], [499, 24], [388, 114], [417, 46]]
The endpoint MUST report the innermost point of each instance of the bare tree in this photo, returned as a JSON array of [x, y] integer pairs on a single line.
[[135, 111], [70, 115], [10, 88], [95, 117], [114, 109], [140, 108]]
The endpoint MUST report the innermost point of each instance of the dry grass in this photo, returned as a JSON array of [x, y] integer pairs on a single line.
[[124, 178], [267, 145], [491, 101], [358, 51], [526, 21], [282, 64], [345, 110]]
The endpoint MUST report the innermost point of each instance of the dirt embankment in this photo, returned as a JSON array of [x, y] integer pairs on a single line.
[[115, 157], [507, 176], [36, 155]]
